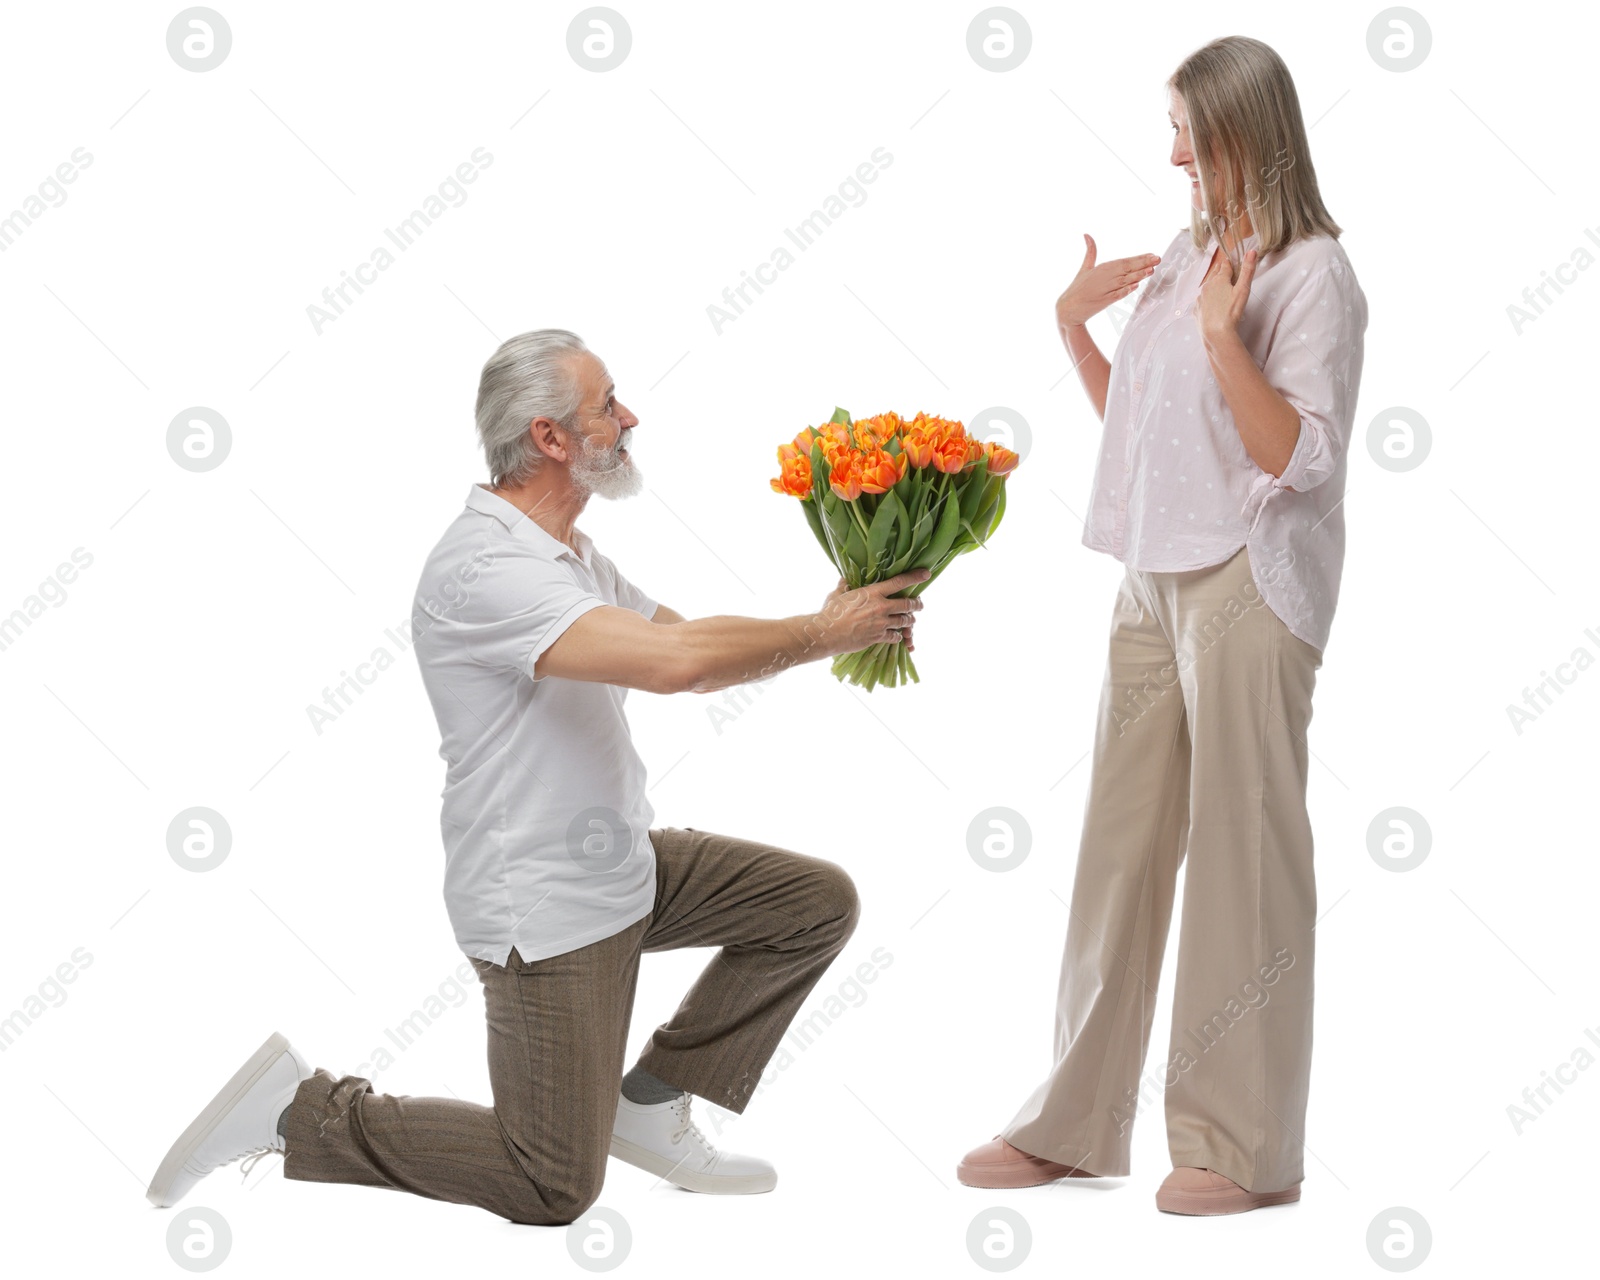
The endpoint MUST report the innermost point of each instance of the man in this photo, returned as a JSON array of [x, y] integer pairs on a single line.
[[555, 881]]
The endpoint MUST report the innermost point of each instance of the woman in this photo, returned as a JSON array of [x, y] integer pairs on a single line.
[[1227, 412]]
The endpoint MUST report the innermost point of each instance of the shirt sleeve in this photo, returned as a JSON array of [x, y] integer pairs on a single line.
[[519, 607], [1314, 362], [628, 595]]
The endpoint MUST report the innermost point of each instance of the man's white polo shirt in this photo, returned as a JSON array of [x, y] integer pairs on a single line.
[[545, 822]]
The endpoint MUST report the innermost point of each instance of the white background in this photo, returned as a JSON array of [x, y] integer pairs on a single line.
[[178, 669]]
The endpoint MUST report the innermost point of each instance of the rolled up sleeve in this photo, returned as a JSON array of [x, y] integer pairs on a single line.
[[1314, 362]]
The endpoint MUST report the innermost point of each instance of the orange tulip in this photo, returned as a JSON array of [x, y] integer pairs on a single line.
[[917, 447], [795, 466], [1002, 461], [950, 455], [870, 434], [879, 471], [834, 433], [845, 478], [938, 430]]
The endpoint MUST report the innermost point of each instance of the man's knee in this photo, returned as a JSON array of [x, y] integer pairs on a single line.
[[557, 1202], [838, 901]]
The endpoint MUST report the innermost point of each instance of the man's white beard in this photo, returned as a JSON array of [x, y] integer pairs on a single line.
[[597, 469]]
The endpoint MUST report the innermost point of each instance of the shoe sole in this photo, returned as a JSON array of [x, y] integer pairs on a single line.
[[1187, 1202], [189, 1140], [989, 1179], [710, 1183]]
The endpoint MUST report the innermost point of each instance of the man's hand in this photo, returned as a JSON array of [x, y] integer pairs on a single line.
[[856, 619], [618, 646]]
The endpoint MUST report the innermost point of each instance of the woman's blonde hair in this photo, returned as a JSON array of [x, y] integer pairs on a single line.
[[1244, 113]]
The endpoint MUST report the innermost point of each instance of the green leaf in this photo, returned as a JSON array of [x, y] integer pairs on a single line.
[[973, 483], [882, 529], [912, 488], [814, 519], [849, 542], [837, 524], [945, 534], [855, 550], [1000, 508], [905, 487], [903, 541], [919, 527], [993, 497], [840, 415], [923, 516]]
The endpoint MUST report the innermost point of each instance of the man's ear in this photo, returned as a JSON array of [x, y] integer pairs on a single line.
[[549, 438]]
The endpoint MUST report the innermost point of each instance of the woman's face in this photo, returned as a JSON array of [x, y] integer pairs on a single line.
[[1182, 152]]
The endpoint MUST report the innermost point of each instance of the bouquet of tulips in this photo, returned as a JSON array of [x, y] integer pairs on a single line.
[[884, 495]]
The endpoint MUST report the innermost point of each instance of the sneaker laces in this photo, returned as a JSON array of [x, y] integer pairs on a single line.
[[686, 1124], [253, 1157]]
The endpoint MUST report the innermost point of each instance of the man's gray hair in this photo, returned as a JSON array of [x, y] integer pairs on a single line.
[[527, 378]]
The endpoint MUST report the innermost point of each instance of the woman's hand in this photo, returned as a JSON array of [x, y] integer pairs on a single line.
[[1222, 298], [1096, 287]]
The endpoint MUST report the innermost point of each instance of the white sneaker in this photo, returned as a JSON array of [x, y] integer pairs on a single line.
[[662, 1139], [242, 1120]]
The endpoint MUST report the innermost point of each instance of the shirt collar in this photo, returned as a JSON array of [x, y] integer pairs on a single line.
[[1251, 241], [1197, 266], [517, 523]]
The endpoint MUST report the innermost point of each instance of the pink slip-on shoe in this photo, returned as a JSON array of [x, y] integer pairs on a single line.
[[1206, 1192], [999, 1164]]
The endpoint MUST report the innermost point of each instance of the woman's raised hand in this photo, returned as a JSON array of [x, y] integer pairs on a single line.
[[1097, 286]]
